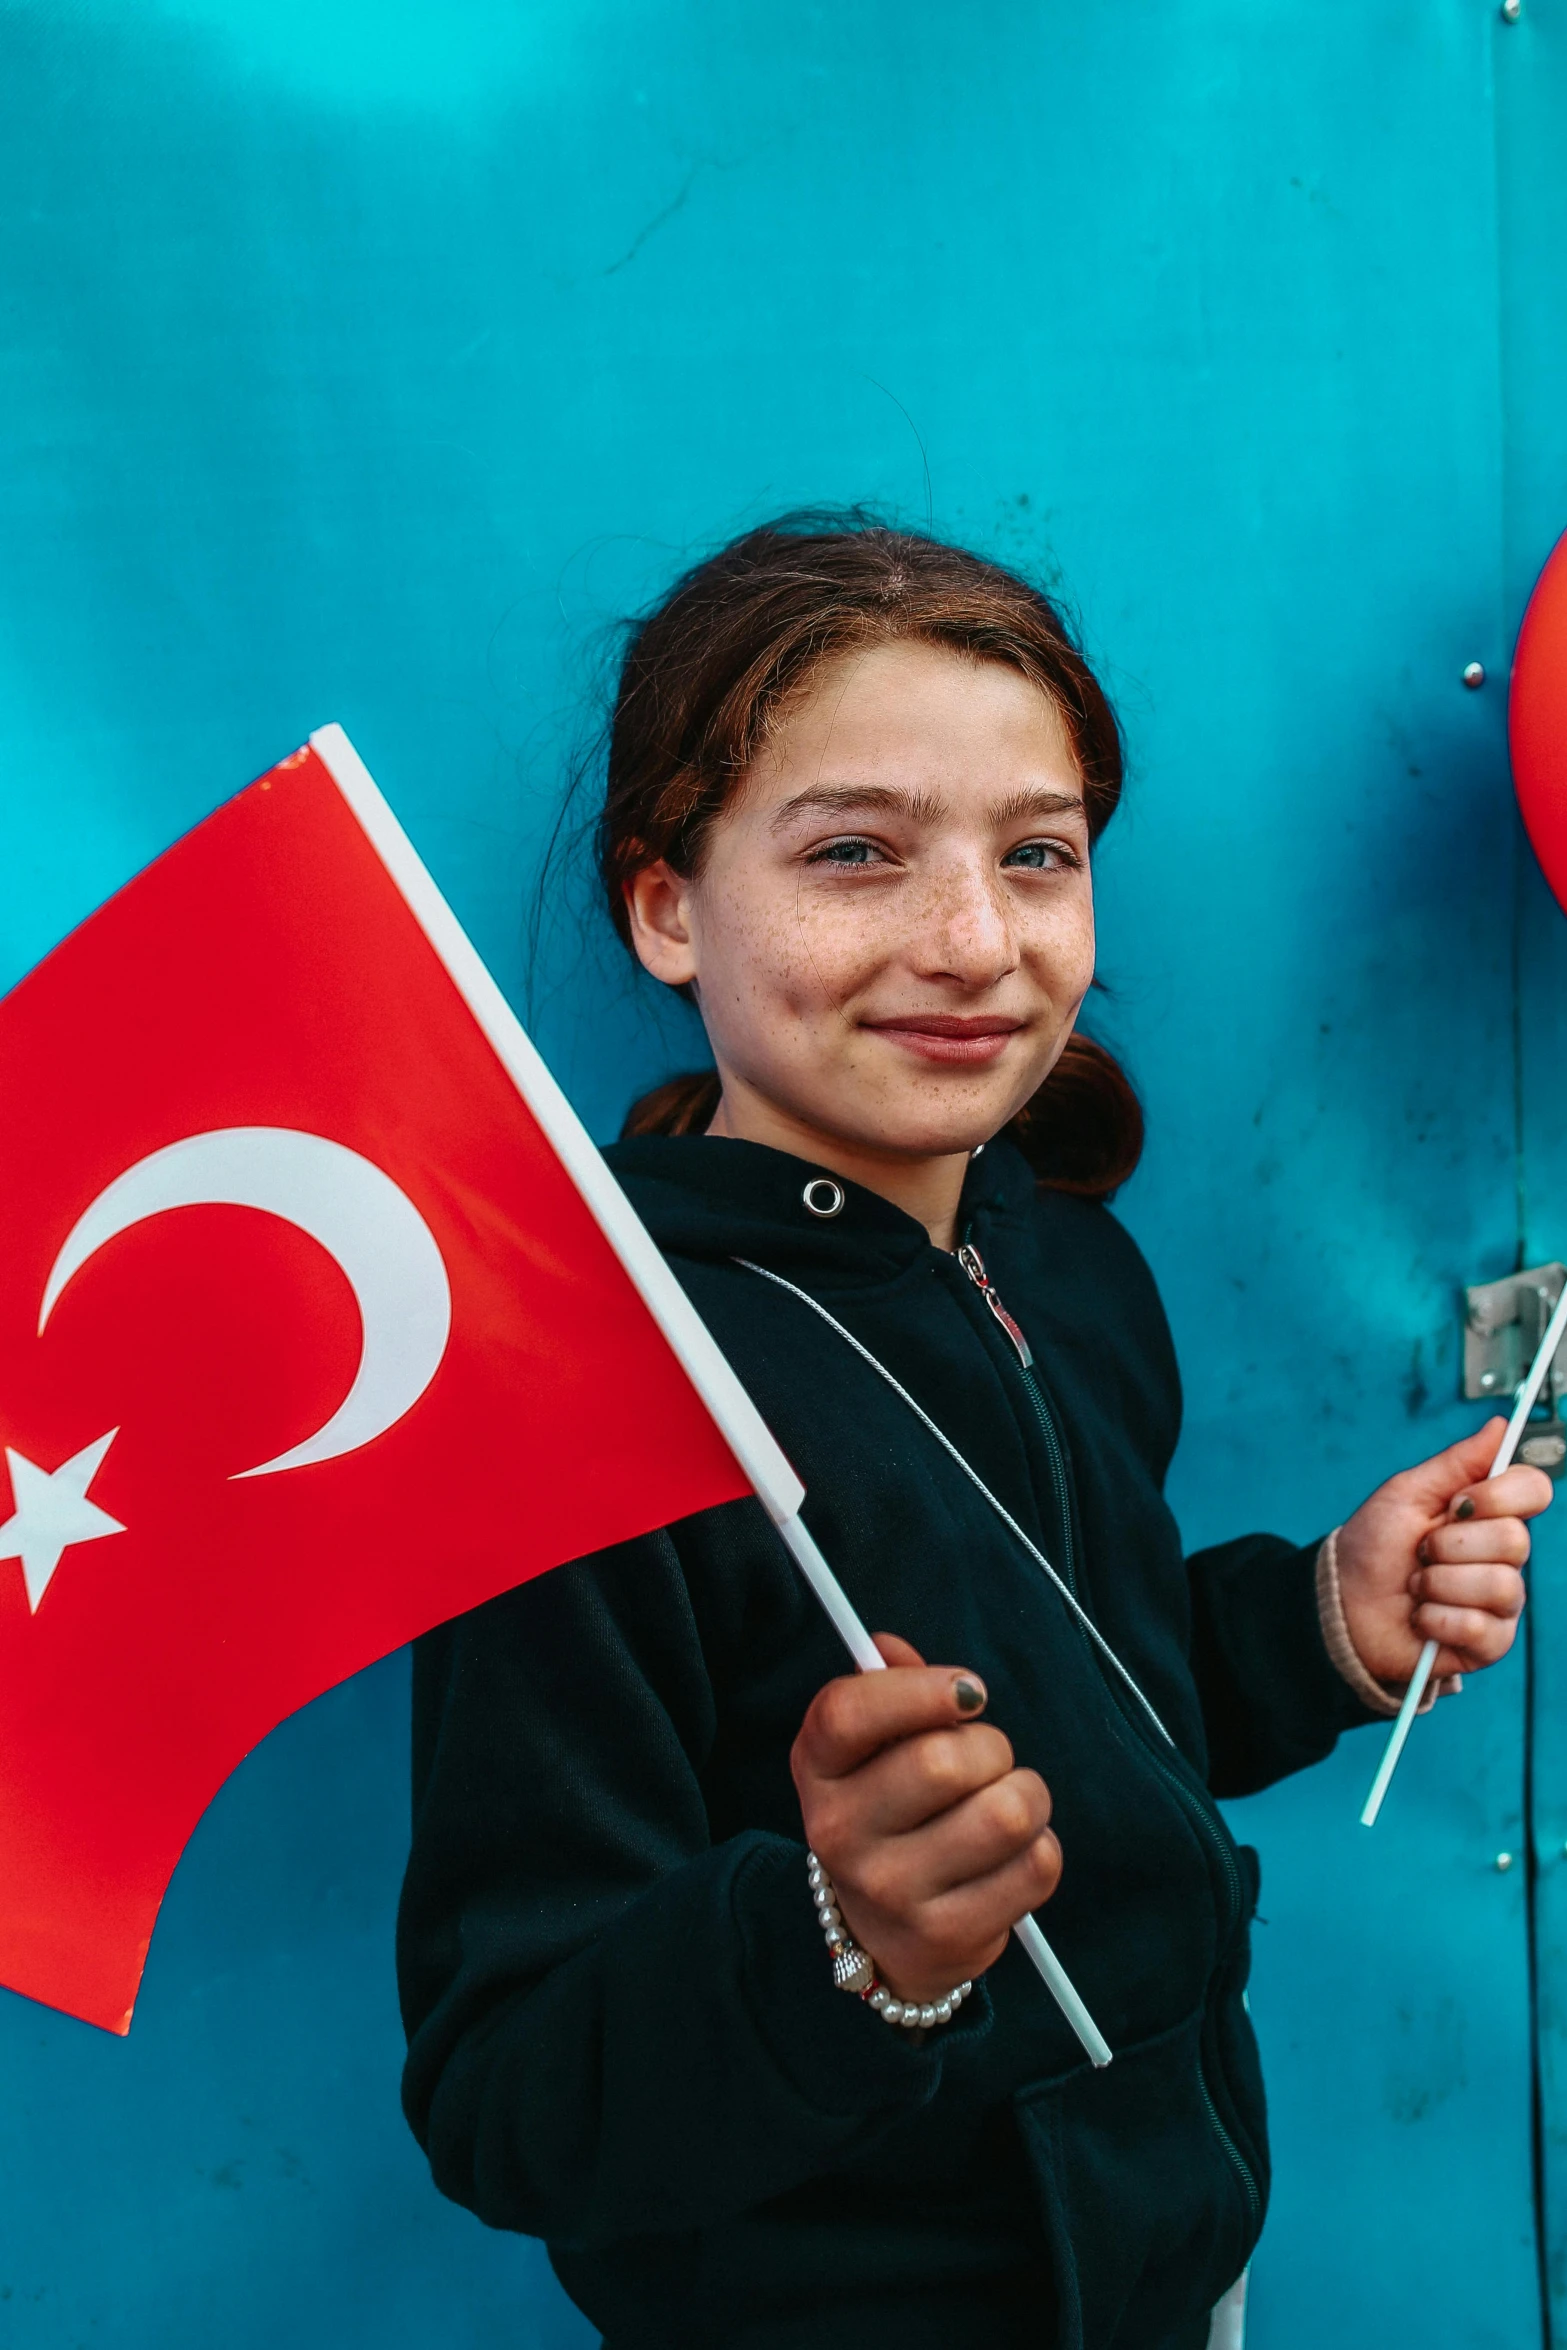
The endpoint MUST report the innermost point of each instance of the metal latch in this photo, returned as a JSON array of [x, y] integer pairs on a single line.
[[1504, 1322]]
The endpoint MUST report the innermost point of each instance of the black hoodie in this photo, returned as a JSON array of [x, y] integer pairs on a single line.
[[623, 2032]]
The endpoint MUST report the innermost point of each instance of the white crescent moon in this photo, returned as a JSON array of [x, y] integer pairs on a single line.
[[377, 1236]]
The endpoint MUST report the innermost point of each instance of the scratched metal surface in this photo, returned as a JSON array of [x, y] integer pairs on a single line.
[[366, 362], [1532, 109]]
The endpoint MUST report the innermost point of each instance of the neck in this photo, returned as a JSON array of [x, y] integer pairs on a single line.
[[928, 1189]]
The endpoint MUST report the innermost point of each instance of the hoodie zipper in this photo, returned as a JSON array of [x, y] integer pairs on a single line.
[[1238, 2162], [974, 1266], [1191, 1803]]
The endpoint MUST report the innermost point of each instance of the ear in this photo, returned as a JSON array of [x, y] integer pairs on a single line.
[[658, 908]]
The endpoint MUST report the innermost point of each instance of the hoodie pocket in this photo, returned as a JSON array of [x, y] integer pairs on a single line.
[[1231, 2067], [1149, 2202]]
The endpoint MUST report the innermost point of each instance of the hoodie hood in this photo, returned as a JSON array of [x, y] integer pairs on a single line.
[[712, 1199]]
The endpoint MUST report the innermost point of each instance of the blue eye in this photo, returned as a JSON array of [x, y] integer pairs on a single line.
[[844, 852], [1038, 856]]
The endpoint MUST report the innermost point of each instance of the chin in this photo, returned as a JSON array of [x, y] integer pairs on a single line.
[[930, 1113], [929, 1126], [927, 1137]]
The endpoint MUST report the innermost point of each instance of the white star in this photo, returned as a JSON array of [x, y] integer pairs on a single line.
[[52, 1512]]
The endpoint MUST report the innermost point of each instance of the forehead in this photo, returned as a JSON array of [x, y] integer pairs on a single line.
[[908, 712]]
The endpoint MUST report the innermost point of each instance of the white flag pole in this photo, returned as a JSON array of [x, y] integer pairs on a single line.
[[869, 1658], [1527, 1395], [744, 1430]]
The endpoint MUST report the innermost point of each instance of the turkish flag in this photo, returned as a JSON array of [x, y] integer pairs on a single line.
[[309, 1338]]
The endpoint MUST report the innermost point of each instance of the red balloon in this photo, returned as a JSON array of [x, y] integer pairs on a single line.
[[1537, 720]]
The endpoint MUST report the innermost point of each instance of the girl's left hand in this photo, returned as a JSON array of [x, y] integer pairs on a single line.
[[1436, 1554]]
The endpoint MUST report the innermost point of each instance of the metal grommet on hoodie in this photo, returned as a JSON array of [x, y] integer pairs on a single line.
[[823, 1197]]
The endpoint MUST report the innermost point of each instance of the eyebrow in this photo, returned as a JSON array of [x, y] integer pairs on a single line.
[[918, 807], [1036, 799]]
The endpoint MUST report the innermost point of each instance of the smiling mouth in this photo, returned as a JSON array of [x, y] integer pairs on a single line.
[[941, 1036]]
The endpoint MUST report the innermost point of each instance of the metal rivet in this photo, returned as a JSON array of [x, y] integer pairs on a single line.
[[1488, 1378], [1504, 1861], [1474, 675], [823, 1197], [1512, 10]]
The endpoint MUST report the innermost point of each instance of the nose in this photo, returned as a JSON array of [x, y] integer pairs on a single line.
[[967, 933]]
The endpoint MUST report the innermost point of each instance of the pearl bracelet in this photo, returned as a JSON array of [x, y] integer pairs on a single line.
[[853, 1969]]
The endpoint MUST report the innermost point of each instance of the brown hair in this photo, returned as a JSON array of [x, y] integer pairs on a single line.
[[708, 672]]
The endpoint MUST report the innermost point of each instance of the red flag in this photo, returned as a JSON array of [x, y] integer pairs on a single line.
[[312, 1334]]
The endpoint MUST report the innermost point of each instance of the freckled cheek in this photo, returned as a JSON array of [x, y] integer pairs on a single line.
[[1059, 950], [756, 969], [842, 944], [784, 956]]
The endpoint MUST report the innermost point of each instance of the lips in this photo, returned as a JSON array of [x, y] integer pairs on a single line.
[[942, 1036]]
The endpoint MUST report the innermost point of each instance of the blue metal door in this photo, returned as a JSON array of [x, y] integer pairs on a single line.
[[362, 361], [1531, 115]]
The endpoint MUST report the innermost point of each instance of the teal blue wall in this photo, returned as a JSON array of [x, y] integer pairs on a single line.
[[365, 362], [1531, 117]]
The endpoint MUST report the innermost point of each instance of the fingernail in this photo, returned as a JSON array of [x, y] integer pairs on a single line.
[[1421, 1552], [1464, 1506], [968, 1696]]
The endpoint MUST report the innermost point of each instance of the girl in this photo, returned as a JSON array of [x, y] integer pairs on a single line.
[[854, 781]]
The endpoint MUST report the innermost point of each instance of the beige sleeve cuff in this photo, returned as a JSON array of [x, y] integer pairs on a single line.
[[1378, 1697]]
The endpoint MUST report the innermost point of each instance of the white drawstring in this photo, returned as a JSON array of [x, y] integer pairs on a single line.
[[974, 1478]]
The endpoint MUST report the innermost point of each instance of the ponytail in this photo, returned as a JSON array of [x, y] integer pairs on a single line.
[[681, 1105], [1083, 1130]]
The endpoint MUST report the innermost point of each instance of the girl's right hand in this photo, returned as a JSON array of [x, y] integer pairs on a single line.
[[935, 1842]]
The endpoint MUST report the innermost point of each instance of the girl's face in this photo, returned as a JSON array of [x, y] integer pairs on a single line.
[[894, 925]]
